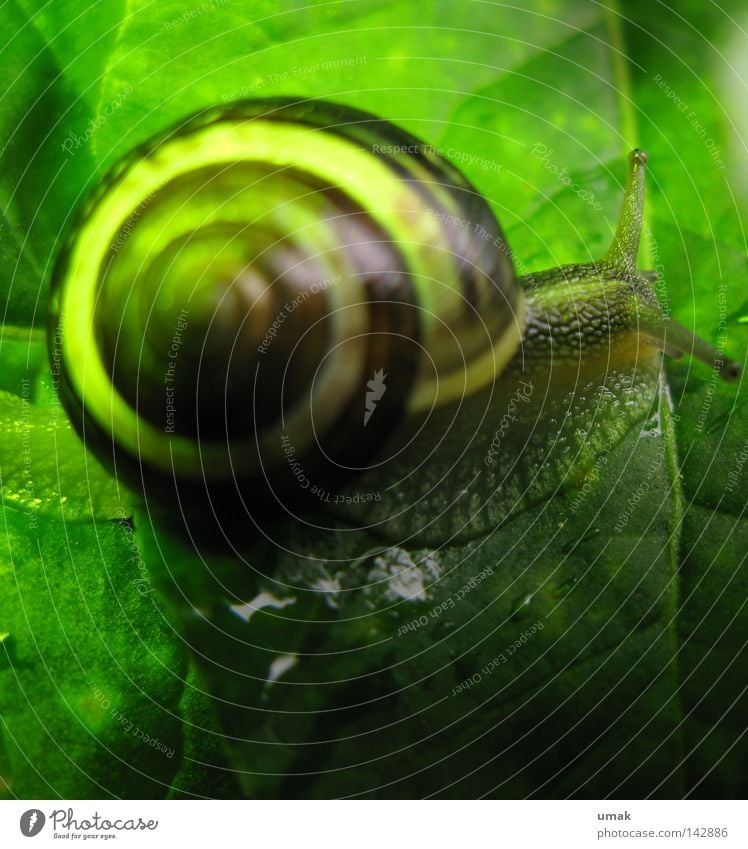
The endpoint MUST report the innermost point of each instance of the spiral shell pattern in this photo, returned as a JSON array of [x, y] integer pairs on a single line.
[[233, 285]]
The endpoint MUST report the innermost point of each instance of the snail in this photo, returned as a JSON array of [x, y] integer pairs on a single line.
[[258, 298]]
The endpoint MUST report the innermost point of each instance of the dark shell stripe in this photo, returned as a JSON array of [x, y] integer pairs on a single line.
[[428, 299]]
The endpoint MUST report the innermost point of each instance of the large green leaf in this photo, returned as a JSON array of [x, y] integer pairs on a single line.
[[91, 676], [42, 175], [338, 666]]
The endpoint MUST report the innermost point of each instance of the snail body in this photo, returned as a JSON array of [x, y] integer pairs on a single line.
[[252, 303]]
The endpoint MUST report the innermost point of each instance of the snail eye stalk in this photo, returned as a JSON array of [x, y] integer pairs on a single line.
[[673, 338]]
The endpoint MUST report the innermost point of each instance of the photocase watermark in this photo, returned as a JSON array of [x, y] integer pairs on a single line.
[[290, 307], [32, 822], [497, 241], [545, 153], [466, 160], [642, 488], [521, 395], [658, 267], [447, 604], [376, 387], [626, 381], [692, 118], [130, 223], [326, 495], [590, 479], [170, 374], [409, 149], [26, 456], [95, 826], [127, 724], [73, 141], [55, 364], [721, 341], [143, 583], [356, 498], [740, 460], [498, 660], [448, 218], [195, 12], [294, 72]]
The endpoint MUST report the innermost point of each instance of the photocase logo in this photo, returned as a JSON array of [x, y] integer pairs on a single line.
[[32, 822], [376, 388]]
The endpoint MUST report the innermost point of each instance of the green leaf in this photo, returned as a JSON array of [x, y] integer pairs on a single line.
[[698, 231], [81, 38], [23, 359], [90, 672], [205, 772], [46, 470], [40, 184]]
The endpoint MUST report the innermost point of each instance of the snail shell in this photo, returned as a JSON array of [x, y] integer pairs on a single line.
[[233, 286], [263, 292]]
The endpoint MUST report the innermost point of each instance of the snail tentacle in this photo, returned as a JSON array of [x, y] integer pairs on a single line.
[[625, 247], [674, 338], [616, 298]]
